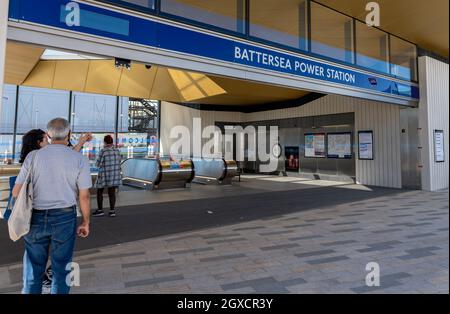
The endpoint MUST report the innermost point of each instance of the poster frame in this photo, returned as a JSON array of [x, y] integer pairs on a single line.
[[359, 145], [325, 143], [351, 145], [443, 146]]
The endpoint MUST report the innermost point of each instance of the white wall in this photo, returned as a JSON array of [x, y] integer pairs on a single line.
[[382, 118], [433, 115], [173, 115], [3, 28]]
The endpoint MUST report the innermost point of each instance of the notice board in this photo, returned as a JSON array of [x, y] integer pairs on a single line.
[[315, 145], [340, 145]]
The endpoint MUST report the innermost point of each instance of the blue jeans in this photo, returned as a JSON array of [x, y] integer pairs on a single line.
[[54, 228]]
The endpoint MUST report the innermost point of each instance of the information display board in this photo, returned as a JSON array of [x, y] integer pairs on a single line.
[[365, 145], [315, 145], [439, 147], [292, 154], [340, 145]]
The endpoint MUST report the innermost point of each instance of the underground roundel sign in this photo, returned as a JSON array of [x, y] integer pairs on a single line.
[[276, 150]]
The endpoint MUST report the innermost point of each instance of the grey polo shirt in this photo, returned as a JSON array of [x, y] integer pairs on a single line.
[[58, 174]]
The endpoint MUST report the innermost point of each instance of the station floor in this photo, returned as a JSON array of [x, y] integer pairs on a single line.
[[261, 235]]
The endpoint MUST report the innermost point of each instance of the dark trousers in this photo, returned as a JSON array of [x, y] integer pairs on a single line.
[[112, 198]]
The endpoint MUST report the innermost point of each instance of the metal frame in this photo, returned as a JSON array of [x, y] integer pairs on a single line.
[[116, 122], [355, 46], [70, 107], [159, 127], [16, 109]]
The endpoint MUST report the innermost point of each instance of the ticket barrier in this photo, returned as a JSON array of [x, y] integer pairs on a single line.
[[151, 173], [214, 171]]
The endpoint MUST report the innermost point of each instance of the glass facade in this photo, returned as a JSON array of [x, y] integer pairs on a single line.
[[331, 34], [134, 123], [93, 113], [138, 128], [303, 26], [38, 106], [283, 22], [96, 114], [372, 48], [140, 4], [403, 59], [6, 147], [7, 116], [8, 109], [226, 14]]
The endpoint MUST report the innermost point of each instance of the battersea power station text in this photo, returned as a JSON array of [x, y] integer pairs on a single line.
[[286, 63]]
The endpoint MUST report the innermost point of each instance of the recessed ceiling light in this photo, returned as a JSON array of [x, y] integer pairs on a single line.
[[50, 54]]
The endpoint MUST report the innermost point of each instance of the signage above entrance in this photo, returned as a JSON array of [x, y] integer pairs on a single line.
[[89, 19]]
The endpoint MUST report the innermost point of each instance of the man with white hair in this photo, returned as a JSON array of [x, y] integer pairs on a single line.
[[59, 175]]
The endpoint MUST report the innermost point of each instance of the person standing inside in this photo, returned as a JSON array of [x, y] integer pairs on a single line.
[[109, 176], [59, 175]]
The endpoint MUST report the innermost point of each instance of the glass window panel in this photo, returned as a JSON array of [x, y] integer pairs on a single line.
[[138, 128], [403, 59], [135, 145], [8, 109], [93, 113], [124, 118], [227, 14], [372, 48], [331, 33], [147, 4], [92, 149], [37, 106], [18, 147], [6, 148], [282, 21]]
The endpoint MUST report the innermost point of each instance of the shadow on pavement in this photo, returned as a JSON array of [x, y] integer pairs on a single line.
[[146, 221]]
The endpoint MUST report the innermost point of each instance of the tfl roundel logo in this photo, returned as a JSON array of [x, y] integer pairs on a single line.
[[373, 81]]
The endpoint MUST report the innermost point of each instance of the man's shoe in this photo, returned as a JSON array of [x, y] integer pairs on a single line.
[[47, 282], [112, 214], [98, 213]]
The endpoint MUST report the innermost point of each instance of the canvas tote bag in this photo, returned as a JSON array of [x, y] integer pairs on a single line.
[[20, 219]]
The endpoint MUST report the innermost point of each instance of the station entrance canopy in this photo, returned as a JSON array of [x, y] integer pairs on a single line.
[[34, 66], [119, 33]]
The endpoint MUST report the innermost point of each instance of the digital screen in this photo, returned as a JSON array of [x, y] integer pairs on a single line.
[[292, 156]]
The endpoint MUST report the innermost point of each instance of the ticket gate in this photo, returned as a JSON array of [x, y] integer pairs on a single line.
[[151, 173], [216, 171]]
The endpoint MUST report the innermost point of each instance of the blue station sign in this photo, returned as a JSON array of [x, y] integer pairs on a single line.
[[100, 21]]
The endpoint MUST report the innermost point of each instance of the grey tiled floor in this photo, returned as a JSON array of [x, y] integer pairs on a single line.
[[324, 250]]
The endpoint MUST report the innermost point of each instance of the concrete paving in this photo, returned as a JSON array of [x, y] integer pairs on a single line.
[[271, 236]]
